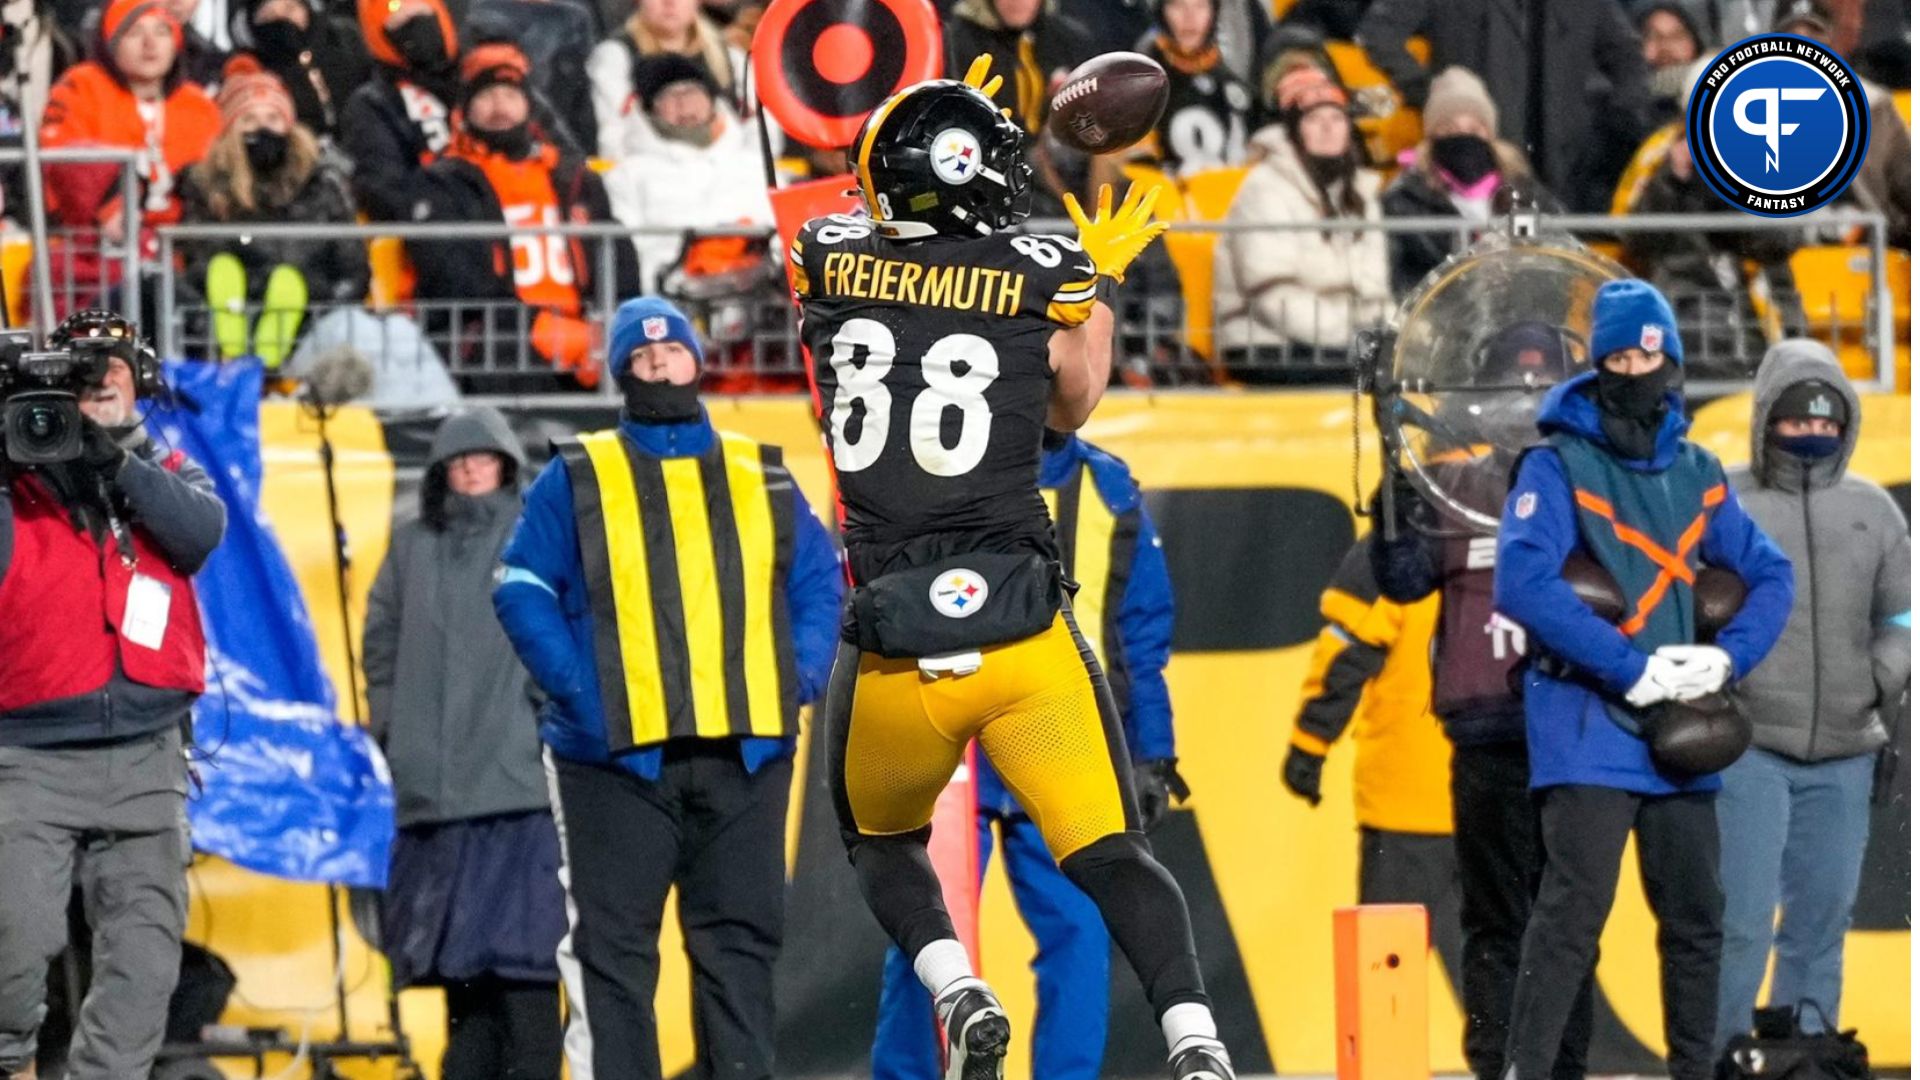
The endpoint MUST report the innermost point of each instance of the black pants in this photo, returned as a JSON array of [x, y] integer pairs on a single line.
[[1496, 840], [1584, 831], [499, 1030], [1414, 868], [719, 834]]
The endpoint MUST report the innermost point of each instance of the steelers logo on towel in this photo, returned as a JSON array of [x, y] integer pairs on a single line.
[[820, 66], [956, 156], [958, 593]]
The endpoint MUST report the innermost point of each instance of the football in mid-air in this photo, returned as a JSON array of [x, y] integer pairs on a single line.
[[1109, 103]]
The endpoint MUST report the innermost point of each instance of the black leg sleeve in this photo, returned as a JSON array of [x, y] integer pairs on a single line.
[[901, 888], [1145, 913]]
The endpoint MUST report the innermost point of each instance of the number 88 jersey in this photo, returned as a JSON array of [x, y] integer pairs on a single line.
[[930, 358]]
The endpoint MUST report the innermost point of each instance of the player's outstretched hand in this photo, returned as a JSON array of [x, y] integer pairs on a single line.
[[976, 76], [1114, 238]]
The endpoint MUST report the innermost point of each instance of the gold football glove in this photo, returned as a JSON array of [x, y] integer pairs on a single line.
[[976, 77], [1113, 239]]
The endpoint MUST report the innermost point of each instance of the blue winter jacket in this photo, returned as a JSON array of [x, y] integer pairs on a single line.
[[1570, 737], [1145, 619], [542, 602]]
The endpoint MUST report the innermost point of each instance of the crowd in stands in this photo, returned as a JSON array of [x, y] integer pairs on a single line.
[[643, 112]]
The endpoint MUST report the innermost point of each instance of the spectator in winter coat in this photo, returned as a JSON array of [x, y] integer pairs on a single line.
[[1456, 171], [454, 711], [1540, 76], [557, 36], [201, 61], [40, 49], [1619, 482], [318, 58], [1288, 305], [1705, 272], [655, 27], [1031, 45], [703, 168], [1793, 813], [134, 98], [402, 119], [534, 289], [1673, 34], [266, 166], [1206, 119]]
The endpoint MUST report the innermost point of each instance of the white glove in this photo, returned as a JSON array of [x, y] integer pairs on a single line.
[[1661, 681], [1704, 669]]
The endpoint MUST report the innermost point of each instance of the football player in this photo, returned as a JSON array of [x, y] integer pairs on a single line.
[[942, 345]]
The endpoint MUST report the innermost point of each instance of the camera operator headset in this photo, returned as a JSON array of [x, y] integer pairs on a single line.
[[102, 656]]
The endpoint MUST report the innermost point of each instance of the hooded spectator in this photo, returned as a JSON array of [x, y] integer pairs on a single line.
[[557, 36], [1031, 44], [136, 98], [403, 116], [1885, 180], [1455, 171], [1673, 34], [533, 288], [1204, 125], [455, 713], [702, 170], [1795, 808], [266, 166], [653, 28], [1566, 85], [320, 59], [1287, 308], [1705, 272]]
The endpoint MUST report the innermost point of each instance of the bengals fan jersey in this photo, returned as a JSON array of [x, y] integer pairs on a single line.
[[931, 362]]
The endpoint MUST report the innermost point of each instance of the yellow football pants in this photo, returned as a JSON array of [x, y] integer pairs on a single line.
[[1040, 708]]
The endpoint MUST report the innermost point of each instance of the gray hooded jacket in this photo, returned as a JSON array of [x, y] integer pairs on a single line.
[[450, 702], [1842, 662]]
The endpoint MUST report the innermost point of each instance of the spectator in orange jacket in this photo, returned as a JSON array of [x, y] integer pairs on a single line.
[[134, 97], [531, 289]]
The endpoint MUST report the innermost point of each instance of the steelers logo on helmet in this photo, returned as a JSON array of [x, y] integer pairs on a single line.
[[956, 156], [939, 158], [1777, 125]]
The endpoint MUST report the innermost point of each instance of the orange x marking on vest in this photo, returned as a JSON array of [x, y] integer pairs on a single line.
[[1673, 564]]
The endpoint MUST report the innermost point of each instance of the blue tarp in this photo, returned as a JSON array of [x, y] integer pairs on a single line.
[[289, 790]]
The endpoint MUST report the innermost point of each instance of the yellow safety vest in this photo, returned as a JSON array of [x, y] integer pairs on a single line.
[[1096, 550], [686, 568]]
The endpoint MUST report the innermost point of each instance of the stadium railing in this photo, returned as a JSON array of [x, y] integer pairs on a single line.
[[748, 317], [85, 266]]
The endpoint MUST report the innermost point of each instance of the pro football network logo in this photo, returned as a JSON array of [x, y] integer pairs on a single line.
[[956, 156], [1777, 125], [958, 593]]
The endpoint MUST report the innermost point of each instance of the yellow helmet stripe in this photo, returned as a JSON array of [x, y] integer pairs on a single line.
[[865, 174]]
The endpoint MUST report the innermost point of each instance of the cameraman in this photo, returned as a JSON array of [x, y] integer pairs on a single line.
[[101, 658]]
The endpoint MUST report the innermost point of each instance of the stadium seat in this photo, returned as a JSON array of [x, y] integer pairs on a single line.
[[1208, 195], [392, 281], [1386, 136], [1835, 282], [1903, 103], [16, 258]]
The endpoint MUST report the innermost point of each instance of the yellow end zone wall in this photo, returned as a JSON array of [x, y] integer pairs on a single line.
[[1280, 867]]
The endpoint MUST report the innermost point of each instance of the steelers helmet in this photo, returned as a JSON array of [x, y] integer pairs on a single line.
[[938, 158]]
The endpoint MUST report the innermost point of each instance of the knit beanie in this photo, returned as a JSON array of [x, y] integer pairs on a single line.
[[492, 63], [1456, 91], [122, 14], [644, 321], [1631, 313], [241, 91], [1810, 399], [654, 74], [1305, 89]]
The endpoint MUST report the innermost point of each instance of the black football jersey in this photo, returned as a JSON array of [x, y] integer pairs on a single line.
[[1204, 125], [931, 362]]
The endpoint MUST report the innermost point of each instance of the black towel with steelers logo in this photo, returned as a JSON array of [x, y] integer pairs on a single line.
[[930, 358]]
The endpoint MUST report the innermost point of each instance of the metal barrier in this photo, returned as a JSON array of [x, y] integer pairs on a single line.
[[753, 332], [92, 241]]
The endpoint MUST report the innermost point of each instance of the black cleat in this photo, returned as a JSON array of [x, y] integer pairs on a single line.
[[976, 1033], [1203, 1061]]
